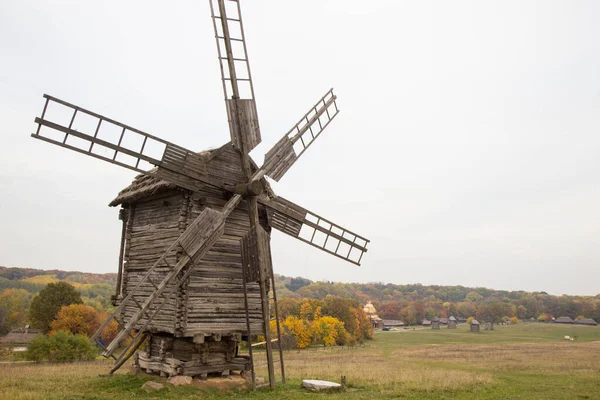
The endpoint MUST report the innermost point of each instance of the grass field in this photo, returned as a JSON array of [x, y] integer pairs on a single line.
[[525, 361]]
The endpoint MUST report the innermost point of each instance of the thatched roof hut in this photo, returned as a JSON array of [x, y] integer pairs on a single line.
[[474, 325], [426, 322], [20, 337], [586, 321], [435, 323], [563, 320], [392, 323]]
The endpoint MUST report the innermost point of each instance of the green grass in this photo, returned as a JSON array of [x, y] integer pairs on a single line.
[[525, 361]]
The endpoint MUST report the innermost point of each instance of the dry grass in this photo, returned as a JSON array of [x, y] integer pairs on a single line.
[[420, 365], [369, 368], [580, 358], [39, 381]]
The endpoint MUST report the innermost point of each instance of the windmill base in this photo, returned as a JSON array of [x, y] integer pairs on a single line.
[[201, 355]]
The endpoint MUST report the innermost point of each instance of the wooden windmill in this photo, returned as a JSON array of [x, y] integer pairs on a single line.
[[195, 272]]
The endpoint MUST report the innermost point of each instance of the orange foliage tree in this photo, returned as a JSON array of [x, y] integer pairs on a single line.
[[77, 319]]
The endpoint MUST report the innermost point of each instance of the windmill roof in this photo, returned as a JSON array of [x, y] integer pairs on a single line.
[[142, 186], [146, 185]]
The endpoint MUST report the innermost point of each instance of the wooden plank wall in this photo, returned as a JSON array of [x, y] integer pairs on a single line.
[[215, 290]]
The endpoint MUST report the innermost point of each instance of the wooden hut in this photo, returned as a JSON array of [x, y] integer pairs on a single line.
[[586, 321], [392, 323], [199, 328], [489, 325], [435, 323], [451, 323], [426, 322], [474, 325], [563, 320], [19, 339]]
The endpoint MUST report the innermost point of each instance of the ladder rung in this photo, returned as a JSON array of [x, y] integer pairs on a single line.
[[237, 79], [228, 19], [234, 39], [235, 59], [265, 342]]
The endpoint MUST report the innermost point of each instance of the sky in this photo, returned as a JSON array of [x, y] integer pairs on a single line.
[[466, 148]]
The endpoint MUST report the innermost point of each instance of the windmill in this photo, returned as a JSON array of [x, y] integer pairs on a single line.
[[195, 272]]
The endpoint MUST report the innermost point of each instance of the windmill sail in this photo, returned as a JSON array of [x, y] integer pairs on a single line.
[[235, 74], [287, 151], [103, 138], [315, 230]]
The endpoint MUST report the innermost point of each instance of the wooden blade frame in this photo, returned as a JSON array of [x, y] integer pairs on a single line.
[[287, 151], [317, 231], [120, 144], [236, 77]]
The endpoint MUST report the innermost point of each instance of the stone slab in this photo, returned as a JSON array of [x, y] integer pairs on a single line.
[[315, 384]]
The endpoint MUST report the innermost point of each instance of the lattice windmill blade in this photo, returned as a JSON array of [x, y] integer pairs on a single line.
[[236, 77], [304, 225], [94, 135], [290, 147]]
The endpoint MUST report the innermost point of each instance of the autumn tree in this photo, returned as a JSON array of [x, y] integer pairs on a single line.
[[13, 309], [49, 301], [328, 331], [299, 329], [78, 319]]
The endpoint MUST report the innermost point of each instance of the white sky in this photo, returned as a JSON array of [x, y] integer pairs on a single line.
[[467, 147]]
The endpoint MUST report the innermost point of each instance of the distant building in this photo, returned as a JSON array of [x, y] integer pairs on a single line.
[[392, 323], [426, 322], [474, 325], [373, 317], [435, 323], [489, 325], [19, 339], [451, 323], [563, 320], [586, 321]]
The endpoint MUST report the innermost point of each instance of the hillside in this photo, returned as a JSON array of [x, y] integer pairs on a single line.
[[411, 303]]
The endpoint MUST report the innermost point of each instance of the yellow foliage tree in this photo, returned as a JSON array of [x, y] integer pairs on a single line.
[[306, 311], [327, 330], [469, 320], [299, 329], [514, 320]]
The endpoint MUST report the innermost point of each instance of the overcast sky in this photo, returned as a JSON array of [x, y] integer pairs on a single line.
[[467, 146]]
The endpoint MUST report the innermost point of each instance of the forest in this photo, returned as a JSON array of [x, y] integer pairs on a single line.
[[302, 302]]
